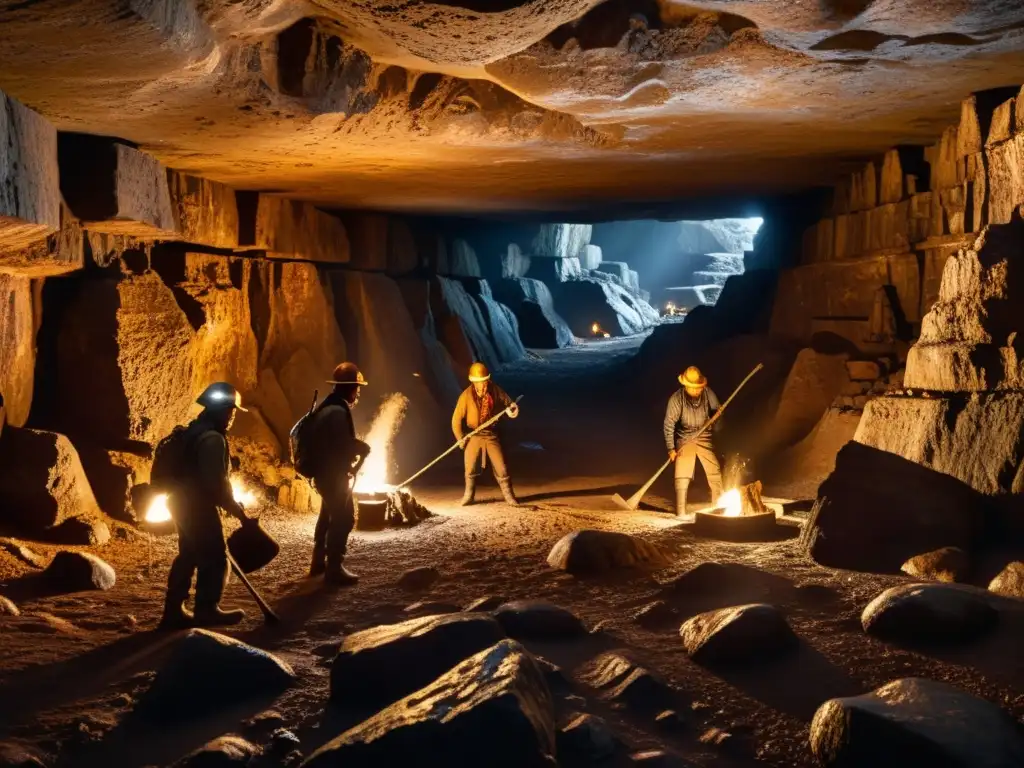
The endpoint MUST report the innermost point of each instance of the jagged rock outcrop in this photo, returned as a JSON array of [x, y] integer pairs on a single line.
[[514, 263], [540, 324], [562, 241], [458, 260], [29, 177], [501, 322], [20, 308]]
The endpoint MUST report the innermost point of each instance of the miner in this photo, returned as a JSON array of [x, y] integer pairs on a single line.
[[479, 403], [338, 457], [688, 410], [203, 488]]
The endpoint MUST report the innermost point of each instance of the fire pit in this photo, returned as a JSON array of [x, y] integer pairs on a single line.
[[740, 515], [387, 506]]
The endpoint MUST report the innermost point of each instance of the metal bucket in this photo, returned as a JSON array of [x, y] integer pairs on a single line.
[[252, 547]]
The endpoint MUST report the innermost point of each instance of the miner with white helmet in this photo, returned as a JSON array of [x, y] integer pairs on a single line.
[[338, 456], [204, 489], [688, 410], [478, 403]]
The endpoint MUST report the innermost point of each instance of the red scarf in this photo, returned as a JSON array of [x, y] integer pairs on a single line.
[[486, 406]]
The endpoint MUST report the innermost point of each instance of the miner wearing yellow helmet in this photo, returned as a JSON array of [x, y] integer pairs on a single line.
[[688, 410], [478, 403]]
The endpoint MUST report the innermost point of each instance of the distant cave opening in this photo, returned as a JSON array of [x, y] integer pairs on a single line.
[[681, 264]]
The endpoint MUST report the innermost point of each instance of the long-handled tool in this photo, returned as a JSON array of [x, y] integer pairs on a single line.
[[634, 501], [268, 613], [457, 443]]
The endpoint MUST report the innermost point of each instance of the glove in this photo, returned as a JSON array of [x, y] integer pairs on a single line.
[[673, 454], [513, 411]]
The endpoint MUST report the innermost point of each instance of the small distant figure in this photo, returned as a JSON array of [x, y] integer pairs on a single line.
[[202, 488], [688, 410], [337, 456], [479, 403]]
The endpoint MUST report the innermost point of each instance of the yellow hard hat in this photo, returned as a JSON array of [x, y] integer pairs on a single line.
[[693, 378], [478, 372]]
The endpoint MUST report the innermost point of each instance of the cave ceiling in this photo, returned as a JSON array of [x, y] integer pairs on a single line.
[[492, 105]]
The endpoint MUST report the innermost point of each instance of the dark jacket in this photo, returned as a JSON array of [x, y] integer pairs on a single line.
[[685, 416], [209, 478], [333, 439], [467, 410]]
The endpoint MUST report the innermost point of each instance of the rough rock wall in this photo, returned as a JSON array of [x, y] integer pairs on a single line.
[[19, 302]]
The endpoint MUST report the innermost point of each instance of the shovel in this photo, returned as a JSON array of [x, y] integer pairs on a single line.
[[634, 501]]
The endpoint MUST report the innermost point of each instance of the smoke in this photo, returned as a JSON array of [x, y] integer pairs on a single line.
[[387, 420]]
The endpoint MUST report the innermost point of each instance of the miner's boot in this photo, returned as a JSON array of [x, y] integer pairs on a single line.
[[319, 562], [506, 490], [179, 581], [210, 583], [469, 496], [176, 615], [682, 486]]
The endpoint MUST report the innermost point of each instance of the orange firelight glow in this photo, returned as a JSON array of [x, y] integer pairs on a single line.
[[158, 511], [373, 477], [731, 503]]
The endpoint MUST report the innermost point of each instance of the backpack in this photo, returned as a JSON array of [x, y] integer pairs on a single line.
[[171, 460], [299, 441]]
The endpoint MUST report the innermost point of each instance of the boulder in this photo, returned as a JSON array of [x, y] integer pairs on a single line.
[[591, 551], [290, 229], [42, 482], [741, 634], [222, 752], [540, 325], [81, 531], [1009, 581], [590, 257], [562, 241], [624, 682], [492, 709], [949, 564], [586, 740], [915, 721], [115, 189], [204, 211], [29, 176], [538, 620], [20, 308], [929, 614], [417, 579], [78, 572], [916, 510], [377, 666], [514, 263], [206, 672], [7, 607]]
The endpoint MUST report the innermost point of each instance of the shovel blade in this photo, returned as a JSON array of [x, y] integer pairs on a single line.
[[621, 502]]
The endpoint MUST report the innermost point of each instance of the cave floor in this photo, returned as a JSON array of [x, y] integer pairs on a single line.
[[71, 665]]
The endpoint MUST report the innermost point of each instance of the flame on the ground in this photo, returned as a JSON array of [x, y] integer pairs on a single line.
[[731, 503], [158, 511], [241, 493], [595, 329], [373, 477]]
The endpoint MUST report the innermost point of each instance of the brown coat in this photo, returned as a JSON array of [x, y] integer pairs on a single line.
[[467, 410]]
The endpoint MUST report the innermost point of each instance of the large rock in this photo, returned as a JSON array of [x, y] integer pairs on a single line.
[[29, 177], [291, 229], [949, 564], [553, 270], [205, 211], [380, 665], [813, 383], [590, 257], [591, 551], [626, 683], [492, 709], [78, 572], [915, 721], [42, 482], [744, 633], [501, 322], [538, 620], [458, 260], [591, 300], [1009, 581], [803, 467], [206, 672], [941, 433], [904, 509], [717, 235], [461, 326], [222, 752], [115, 189], [929, 614], [514, 263], [562, 241], [540, 325], [20, 309], [586, 740]]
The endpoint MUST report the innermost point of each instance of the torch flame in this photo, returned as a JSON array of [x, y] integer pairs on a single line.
[[373, 477], [241, 493], [158, 511], [731, 503], [595, 328]]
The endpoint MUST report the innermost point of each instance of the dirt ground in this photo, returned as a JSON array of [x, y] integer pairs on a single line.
[[72, 665]]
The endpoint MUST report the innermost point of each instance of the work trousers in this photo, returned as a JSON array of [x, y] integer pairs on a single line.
[[481, 448], [686, 463], [336, 521], [201, 551]]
